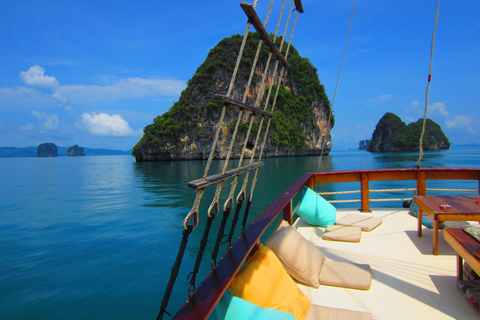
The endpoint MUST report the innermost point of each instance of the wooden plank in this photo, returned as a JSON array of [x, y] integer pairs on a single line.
[[244, 105], [299, 6], [202, 183], [465, 246], [255, 20]]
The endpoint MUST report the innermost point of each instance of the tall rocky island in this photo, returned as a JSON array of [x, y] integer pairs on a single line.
[[47, 150], [186, 131], [392, 134]]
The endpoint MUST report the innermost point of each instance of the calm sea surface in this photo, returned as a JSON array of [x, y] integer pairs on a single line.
[[96, 237]]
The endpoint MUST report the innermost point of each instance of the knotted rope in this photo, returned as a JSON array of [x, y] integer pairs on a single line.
[[420, 156]]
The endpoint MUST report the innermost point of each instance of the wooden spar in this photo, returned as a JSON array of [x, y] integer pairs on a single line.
[[299, 6], [202, 183], [243, 105], [255, 20]]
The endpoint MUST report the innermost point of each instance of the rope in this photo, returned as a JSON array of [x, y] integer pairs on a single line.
[[203, 244], [220, 235], [273, 108], [245, 95], [420, 156], [194, 211], [234, 223], [174, 274], [245, 216], [336, 86]]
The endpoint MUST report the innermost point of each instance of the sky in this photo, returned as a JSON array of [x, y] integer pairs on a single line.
[[95, 73]]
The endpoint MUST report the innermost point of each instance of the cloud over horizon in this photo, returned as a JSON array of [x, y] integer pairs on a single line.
[[103, 124], [123, 89], [35, 77]]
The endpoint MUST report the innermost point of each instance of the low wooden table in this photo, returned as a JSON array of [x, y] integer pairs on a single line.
[[447, 208], [465, 246]]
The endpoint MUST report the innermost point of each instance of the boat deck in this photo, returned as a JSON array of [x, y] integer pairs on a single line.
[[409, 282]]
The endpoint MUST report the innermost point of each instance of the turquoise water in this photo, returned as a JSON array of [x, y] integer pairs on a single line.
[[96, 237]]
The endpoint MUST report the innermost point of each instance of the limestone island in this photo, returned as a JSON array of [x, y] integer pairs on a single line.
[[75, 151], [392, 134], [187, 130], [47, 150]]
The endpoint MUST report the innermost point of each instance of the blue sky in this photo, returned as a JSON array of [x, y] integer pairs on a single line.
[[95, 73]]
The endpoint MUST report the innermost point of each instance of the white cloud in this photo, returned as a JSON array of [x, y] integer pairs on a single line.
[[438, 108], [415, 108], [122, 89], [462, 122], [28, 127], [50, 121], [383, 98], [103, 124], [35, 77]]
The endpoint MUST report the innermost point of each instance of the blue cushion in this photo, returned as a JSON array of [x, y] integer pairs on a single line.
[[234, 308], [316, 210]]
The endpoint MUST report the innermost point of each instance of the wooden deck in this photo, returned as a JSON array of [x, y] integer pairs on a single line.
[[409, 282]]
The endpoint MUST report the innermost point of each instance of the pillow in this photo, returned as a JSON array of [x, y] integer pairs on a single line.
[[367, 223], [233, 308], [326, 313], [301, 259], [264, 282], [343, 233], [316, 210], [346, 275]]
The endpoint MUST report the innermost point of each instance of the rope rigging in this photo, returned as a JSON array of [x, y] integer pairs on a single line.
[[338, 81], [420, 156], [213, 209]]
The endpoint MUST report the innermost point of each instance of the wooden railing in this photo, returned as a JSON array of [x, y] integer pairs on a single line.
[[202, 303]]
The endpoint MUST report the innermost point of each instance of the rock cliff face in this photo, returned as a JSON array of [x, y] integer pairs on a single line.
[[47, 150], [75, 151], [392, 134], [187, 130]]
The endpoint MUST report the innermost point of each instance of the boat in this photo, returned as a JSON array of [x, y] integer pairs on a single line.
[[407, 279]]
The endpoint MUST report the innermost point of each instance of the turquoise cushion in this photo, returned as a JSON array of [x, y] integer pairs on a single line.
[[316, 210], [234, 308]]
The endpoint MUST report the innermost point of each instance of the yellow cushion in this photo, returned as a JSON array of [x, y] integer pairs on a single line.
[[265, 282]]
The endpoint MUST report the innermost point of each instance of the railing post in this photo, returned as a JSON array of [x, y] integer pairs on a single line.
[[365, 192], [287, 213], [311, 182], [478, 177], [421, 183]]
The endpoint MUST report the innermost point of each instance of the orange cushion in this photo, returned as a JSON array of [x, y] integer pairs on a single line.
[[265, 282]]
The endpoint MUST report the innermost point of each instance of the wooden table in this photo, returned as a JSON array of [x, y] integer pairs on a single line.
[[447, 208], [465, 246]]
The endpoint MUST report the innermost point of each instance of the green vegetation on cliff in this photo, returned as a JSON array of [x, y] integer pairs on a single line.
[[294, 102], [392, 134]]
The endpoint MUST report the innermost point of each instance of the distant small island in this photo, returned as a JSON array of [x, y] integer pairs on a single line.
[[75, 151], [392, 134], [47, 150]]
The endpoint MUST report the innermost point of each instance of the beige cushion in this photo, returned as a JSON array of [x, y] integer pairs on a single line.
[[302, 260], [346, 275], [342, 233], [325, 313], [367, 223]]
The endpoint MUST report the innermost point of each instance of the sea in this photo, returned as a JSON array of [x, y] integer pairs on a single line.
[[96, 237]]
